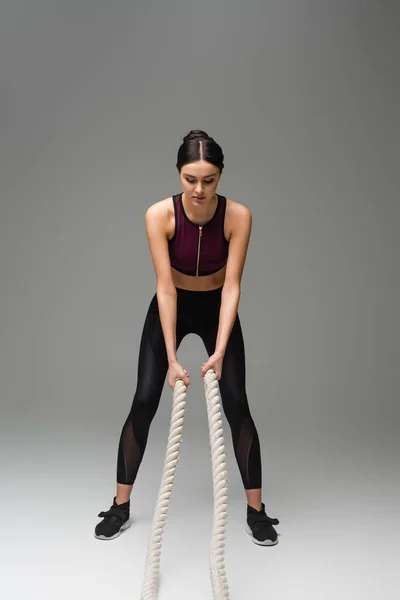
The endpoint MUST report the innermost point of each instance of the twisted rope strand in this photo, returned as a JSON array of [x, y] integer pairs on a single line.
[[220, 488]]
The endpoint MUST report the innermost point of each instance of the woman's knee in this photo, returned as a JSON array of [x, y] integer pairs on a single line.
[[145, 403], [236, 410]]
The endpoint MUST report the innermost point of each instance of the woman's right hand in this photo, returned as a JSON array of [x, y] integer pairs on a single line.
[[175, 372]]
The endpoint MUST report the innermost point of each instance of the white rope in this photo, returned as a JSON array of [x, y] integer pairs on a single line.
[[220, 491], [220, 488]]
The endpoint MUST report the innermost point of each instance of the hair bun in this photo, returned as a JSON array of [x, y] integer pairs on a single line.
[[196, 134]]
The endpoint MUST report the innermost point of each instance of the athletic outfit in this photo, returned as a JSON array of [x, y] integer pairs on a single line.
[[196, 250]]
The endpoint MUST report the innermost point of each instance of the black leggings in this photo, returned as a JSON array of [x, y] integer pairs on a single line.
[[197, 312]]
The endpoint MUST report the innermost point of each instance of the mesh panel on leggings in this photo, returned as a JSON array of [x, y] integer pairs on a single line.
[[129, 454], [247, 451]]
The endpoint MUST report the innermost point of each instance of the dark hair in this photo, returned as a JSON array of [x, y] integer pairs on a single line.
[[198, 145]]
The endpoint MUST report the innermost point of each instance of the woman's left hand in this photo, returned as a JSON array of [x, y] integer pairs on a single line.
[[214, 362]]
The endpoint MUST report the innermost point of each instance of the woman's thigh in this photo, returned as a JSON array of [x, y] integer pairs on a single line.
[[153, 360], [233, 377]]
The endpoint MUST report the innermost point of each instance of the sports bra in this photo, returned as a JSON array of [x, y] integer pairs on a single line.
[[198, 250]]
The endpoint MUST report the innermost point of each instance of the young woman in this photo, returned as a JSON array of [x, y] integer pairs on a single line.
[[198, 241]]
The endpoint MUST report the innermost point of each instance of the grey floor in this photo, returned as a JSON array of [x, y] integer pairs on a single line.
[[339, 526]]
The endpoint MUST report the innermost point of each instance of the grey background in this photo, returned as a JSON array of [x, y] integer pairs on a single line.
[[304, 98]]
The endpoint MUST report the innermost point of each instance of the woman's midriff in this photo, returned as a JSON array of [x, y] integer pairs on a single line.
[[199, 284]]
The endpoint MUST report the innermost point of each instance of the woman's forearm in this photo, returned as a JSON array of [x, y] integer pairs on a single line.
[[230, 297], [167, 309]]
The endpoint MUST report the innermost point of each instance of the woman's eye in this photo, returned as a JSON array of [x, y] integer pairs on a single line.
[[206, 182]]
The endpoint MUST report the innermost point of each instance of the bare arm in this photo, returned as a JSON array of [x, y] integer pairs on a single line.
[[238, 246], [156, 219]]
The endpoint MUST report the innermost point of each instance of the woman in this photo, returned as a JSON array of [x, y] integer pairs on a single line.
[[198, 241]]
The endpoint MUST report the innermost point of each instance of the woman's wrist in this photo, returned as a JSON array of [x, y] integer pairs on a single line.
[[219, 352]]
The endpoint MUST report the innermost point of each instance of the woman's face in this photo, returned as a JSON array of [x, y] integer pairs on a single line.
[[199, 181]]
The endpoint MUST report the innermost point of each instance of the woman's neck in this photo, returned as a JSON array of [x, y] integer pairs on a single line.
[[200, 214]]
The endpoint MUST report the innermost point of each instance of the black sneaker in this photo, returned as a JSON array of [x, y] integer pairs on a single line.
[[115, 520], [259, 526]]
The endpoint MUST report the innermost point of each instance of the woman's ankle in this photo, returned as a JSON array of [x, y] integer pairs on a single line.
[[123, 493]]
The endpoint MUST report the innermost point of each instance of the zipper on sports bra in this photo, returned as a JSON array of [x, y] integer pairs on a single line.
[[198, 249]]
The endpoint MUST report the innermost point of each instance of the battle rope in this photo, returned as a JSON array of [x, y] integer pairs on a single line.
[[220, 491]]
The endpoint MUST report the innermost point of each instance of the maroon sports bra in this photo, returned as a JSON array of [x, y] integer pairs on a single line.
[[198, 250]]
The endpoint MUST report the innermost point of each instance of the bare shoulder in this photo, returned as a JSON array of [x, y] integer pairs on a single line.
[[161, 208], [236, 210], [157, 223], [237, 215], [162, 213]]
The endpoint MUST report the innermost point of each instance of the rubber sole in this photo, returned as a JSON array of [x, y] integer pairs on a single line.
[[103, 537], [264, 543]]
